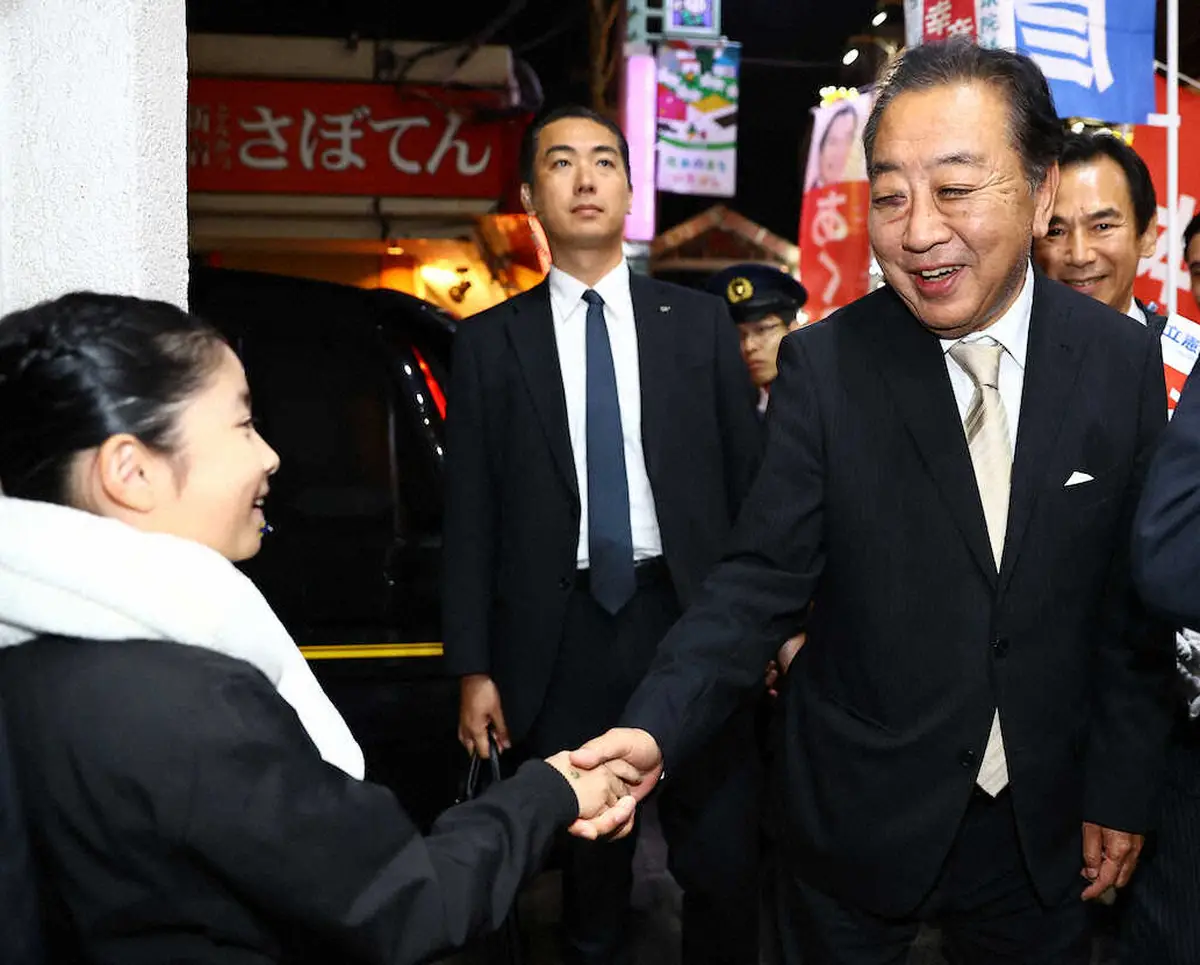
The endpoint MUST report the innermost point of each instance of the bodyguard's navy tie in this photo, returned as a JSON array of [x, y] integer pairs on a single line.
[[610, 535]]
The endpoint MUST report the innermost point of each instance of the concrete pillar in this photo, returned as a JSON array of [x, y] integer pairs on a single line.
[[93, 137]]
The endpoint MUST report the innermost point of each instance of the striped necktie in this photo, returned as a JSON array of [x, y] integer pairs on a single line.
[[986, 426]]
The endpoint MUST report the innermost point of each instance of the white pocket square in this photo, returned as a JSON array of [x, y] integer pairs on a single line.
[[1078, 477]]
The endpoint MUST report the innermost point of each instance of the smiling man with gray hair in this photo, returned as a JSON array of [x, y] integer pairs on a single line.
[[974, 732]]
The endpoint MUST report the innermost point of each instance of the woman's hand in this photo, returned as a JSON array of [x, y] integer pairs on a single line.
[[604, 799]]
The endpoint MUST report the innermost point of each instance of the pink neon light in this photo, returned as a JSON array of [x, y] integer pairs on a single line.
[[641, 126]]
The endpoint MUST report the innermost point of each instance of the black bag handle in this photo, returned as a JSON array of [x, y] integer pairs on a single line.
[[472, 785], [505, 946]]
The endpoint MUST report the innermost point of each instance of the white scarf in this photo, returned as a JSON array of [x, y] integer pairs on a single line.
[[75, 574]]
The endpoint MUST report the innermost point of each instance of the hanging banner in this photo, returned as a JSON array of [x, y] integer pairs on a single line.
[[1097, 54], [835, 252], [1181, 337], [1151, 144], [697, 118]]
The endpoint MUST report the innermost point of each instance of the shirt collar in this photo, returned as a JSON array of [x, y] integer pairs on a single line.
[[567, 291], [1010, 330], [1135, 312]]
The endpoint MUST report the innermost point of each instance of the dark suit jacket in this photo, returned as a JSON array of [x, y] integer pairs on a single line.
[[512, 502], [1155, 322], [867, 505], [1166, 536], [181, 814]]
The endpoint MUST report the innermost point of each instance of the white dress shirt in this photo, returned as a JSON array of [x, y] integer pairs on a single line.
[[1011, 330], [1135, 312], [570, 333]]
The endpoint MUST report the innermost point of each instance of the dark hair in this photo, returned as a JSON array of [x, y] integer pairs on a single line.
[[530, 140], [840, 112], [1084, 147], [84, 367], [1190, 232], [1035, 129]]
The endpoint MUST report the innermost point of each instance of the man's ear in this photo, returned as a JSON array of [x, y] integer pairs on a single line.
[[126, 474], [1149, 239], [1043, 198], [527, 200]]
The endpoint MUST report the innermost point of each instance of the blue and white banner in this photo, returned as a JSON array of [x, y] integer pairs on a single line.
[[1097, 54]]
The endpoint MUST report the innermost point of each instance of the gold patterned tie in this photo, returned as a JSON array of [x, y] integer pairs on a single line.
[[986, 426]]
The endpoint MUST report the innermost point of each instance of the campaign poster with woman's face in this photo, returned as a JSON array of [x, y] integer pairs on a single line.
[[835, 153], [834, 248]]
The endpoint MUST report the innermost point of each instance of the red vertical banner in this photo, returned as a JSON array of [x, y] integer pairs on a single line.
[[1151, 143], [835, 252], [1181, 337]]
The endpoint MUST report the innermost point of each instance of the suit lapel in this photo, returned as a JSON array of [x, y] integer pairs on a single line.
[[1051, 369], [914, 368], [531, 331], [653, 318]]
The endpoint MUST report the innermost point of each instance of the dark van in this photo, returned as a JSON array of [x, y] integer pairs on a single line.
[[349, 387]]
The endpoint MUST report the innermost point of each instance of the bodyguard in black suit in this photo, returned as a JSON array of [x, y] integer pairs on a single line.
[[601, 439], [978, 716]]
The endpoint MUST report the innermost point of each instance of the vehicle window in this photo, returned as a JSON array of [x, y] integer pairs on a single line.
[[324, 399], [419, 432]]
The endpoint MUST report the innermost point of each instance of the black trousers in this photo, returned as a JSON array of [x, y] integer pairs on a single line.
[[1160, 910], [984, 902], [708, 809]]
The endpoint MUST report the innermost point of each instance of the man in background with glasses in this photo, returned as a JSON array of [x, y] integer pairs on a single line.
[[765, 304]]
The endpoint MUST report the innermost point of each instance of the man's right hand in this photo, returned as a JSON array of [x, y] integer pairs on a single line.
[[633, 756], [479, 707]]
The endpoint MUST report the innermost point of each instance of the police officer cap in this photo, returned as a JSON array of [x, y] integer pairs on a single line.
[[753, 291]]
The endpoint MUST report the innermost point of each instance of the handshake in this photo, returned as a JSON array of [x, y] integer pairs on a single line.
[[609, 775]]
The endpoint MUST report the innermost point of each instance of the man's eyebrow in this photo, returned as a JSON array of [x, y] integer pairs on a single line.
[[955, 158], [1109, 212], [567, 149], [959, 158]]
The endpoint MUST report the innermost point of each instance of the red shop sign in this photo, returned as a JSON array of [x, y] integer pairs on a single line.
[[298, 137]]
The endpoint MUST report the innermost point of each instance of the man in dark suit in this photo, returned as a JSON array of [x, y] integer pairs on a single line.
[[1104, 222], [978, 716], [1160, 925], [600, 440]]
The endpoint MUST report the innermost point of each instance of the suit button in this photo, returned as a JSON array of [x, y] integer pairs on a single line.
[[966, 758], [564, 584], [1000, 646]]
